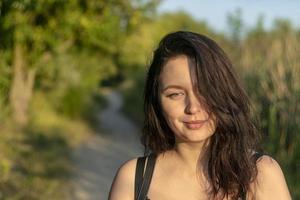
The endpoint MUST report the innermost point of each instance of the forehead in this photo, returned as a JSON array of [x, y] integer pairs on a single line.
[[177, 70]]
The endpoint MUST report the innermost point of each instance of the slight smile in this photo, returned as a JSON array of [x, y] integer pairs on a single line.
[[195, 124]]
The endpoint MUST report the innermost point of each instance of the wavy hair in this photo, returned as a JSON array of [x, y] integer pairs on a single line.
[[231, 168]]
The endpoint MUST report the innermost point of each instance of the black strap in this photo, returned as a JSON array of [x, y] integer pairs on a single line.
[[139, 173], [141, 190], [257, 155]]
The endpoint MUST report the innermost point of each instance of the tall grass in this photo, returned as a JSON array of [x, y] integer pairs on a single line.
[[270, 66]]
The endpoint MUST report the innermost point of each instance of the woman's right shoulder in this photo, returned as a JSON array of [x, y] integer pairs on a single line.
[[123, 183]]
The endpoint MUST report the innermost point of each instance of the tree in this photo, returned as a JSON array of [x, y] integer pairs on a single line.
[[33, 32]]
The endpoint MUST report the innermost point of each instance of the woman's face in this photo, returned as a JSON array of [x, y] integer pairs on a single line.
[[182, 110]]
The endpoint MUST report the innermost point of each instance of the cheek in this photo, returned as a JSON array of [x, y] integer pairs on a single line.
[[171, 110]]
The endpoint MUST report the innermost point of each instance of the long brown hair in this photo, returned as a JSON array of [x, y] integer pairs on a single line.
[[230, 166]]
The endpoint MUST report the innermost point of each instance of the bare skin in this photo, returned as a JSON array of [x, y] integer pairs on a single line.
[[270, 183], [180, 173]]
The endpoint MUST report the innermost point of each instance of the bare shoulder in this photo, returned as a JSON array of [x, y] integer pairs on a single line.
[[123, 183], [270, 181]]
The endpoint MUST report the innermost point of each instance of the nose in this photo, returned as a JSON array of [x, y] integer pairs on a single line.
[[193, 105]]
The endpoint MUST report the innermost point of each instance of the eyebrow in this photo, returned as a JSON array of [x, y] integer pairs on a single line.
[[172, 86]]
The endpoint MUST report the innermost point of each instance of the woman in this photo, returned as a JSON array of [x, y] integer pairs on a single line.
[[198, 129]]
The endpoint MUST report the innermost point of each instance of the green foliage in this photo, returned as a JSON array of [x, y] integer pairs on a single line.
[[72, 102], [133, 97], [36, 165], [137, 48], [235, 24], [5, 80], [72, 45]]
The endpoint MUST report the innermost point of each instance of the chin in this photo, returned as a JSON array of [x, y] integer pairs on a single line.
[[194, 137]]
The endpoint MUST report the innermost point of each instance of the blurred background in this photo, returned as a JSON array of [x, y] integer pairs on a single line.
[[72, 75]]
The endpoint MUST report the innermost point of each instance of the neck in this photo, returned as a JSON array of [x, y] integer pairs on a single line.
[[191, 156]]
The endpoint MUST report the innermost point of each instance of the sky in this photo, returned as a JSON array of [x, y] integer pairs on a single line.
[[215, 12]]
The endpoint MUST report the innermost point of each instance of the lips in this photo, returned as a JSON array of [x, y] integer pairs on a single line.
[[195, 124]]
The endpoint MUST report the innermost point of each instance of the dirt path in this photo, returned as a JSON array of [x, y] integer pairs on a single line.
[[97, 161]]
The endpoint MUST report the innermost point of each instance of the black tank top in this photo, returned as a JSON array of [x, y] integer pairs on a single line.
[[143, 176]]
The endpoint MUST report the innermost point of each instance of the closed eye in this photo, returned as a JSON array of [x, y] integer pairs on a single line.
[[174, 95]]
